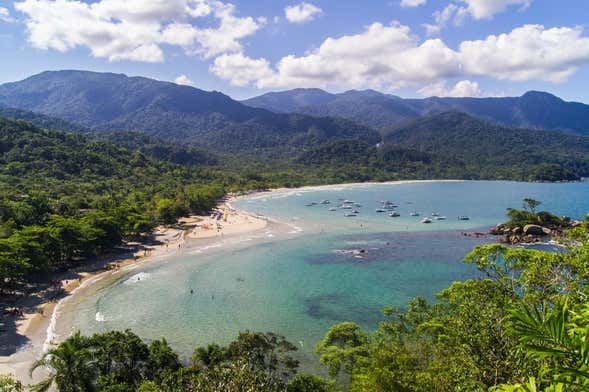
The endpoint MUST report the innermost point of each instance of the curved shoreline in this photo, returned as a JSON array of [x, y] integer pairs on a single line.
[[41, 332]]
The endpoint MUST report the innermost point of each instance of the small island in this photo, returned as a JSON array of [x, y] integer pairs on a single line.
[[530, 226]]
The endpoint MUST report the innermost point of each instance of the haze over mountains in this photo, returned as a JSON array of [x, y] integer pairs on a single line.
[[382, 111]]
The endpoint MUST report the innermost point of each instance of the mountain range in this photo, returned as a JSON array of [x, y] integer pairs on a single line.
[[380, 111], [372, 135], [106, 101]]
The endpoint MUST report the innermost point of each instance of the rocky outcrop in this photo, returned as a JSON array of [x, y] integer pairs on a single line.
[[536, 230], [527, 234]]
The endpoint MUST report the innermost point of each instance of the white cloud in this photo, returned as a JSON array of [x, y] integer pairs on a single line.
[[486, 9], [380, 57], [528, 52], [441, 19], [302, 13], [135, 29], [464, 88], [241, 70], [477, 9], [5, 15], [184, 80], [390, 56], [412, 3]]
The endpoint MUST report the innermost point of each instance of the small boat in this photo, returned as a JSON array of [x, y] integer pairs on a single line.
[[332, 209], [414, 213], [440, 218], [346, 207], [310, 204], [357, 205], [355, 212], [349, 214], [463, 218], [426, 220], [325, 202], [381, 210], [435, 214], [394, 214]]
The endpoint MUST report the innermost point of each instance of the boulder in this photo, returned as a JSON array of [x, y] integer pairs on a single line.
[[535, 230]]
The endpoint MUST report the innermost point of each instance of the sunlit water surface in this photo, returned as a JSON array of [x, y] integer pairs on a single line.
[[301, 277]]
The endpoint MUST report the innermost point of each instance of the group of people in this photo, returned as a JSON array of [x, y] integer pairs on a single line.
[[16, 312]]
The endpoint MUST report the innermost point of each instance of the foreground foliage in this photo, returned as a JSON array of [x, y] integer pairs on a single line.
[[523, 326], [120, 361]]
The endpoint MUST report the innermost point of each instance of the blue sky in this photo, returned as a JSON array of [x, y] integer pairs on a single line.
[[243, 48]]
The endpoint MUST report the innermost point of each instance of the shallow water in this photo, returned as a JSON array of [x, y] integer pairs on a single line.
[[300, 278]]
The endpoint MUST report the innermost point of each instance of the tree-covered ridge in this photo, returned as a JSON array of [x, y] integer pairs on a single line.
[[39, 120], [102, 101], [158, 149], [534, 109], [541, 155]]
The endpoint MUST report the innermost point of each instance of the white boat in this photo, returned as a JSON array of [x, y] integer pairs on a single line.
[[435, 214], [414, 213], [332, 209], [381, 210], [325, 202], [394, 214], [440, 218], [349, 214], [426, 220], [355, 212], [463, 218], [346, 207]]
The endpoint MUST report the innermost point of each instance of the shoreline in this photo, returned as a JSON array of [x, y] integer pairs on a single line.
[[38, 329], [34, 333]]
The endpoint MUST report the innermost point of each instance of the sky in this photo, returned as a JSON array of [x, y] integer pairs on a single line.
[[411, 48]]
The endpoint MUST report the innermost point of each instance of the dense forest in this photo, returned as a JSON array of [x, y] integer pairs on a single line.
[[522, 326]]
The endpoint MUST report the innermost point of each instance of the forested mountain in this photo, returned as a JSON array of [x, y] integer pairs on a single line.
[[453, 134], [105, 101], [381, 111], [39, 120], [181, 154]]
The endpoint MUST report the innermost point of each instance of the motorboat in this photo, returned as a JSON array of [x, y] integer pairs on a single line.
[[381, 210], [463, 218], [394, 214], [349, 214], [426, 220], [332, 209], [440, 218], [414, 213], [325, 202]]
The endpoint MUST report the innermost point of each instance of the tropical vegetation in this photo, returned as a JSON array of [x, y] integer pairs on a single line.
[[522, 326]]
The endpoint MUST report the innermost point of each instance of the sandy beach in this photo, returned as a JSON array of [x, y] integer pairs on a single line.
[[24, 338]]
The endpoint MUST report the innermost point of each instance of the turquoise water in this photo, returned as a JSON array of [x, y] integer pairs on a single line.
[[300, 278]]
